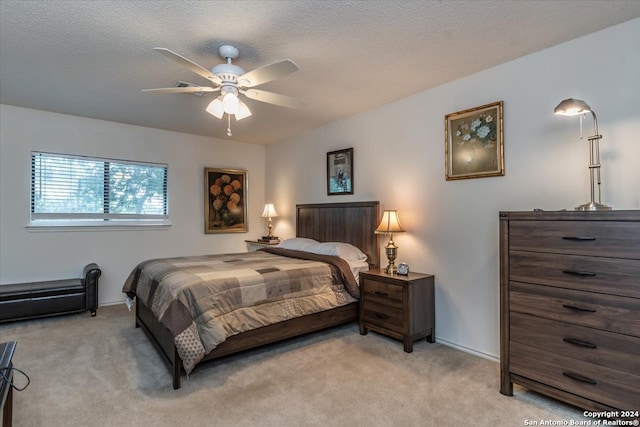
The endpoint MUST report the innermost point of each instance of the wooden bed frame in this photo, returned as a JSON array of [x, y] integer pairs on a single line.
[[352, 223]]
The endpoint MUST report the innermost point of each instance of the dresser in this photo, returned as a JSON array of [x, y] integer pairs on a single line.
[[570, 306], [401, 307]]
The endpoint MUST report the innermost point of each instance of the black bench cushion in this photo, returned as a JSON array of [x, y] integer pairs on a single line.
[[40, 289]]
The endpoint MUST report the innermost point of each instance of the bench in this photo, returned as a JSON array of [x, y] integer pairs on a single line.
[[38, 299]]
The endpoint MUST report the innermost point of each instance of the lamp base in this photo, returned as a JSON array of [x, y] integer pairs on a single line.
[[392, 251], [593, 206], [391, 269]]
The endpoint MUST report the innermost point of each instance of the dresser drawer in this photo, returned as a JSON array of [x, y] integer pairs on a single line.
[[596, 274], [606, 312], [382, 293], [616, 351], [604, 385], [384, 316], [614, 239]]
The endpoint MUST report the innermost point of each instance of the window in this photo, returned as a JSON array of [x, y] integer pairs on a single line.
[[76, 190]]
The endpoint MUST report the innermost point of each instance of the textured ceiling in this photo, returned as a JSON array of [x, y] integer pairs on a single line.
[[92, 58]]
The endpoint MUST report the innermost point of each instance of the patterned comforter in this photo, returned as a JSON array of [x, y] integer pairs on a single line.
[[203, 300]]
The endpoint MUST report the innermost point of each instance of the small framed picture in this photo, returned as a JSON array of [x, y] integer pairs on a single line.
[[474, 142], [340, 172], [225, 200]]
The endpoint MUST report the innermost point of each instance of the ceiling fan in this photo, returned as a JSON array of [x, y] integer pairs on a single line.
[[231, 81]]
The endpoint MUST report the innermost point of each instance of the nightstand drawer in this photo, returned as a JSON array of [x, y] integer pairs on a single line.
[[616, 351], [382, 293], [384, 316], [596, 274], [604, 385], [612, 239], [606, 312]]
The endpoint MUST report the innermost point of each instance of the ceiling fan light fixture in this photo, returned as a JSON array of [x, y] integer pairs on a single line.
[[243, 111], [215, 108]]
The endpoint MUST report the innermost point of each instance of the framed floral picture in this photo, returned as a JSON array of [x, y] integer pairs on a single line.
[[225, 200], [474, 142], [340, 172]]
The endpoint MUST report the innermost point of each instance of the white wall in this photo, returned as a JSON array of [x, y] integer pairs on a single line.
[[453, 225], [27, 255]]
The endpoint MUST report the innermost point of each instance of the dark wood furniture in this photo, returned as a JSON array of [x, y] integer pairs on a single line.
[[570, 306], [401, 307], [254, 245], [6, 390], [53, 297], [337, 222]]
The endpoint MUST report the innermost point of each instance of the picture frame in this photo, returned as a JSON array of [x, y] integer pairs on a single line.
[[225, 200], [474, 142], [340, 172]]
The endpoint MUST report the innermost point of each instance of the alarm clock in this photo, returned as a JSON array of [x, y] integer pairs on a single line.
[[403, 269]]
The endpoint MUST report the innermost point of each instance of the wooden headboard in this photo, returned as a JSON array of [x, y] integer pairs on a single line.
[[352, 222]]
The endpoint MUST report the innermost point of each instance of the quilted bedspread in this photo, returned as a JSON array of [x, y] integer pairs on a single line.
[[203, 300]]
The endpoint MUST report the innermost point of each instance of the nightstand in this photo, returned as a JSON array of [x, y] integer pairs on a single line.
[[254, 245], [401, 307]]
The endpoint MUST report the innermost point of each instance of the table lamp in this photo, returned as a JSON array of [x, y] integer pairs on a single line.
[[390, 224], [269, 212], [577, 107]]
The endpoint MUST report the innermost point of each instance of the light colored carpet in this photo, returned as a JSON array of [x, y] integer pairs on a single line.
[[103, 371]]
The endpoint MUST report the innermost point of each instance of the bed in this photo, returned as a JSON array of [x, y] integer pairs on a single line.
[[351, 223]]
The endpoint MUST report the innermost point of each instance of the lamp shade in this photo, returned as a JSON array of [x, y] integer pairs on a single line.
[[230, 103], [572, 107], [269, 211], [390, 223], [243, 111], [215, 108]]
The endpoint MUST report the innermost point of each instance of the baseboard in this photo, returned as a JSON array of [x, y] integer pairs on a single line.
[[442, 341], [106, 304], [468, 350]]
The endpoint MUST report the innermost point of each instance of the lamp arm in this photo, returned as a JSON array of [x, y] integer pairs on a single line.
[[595, 140], [595, 123]]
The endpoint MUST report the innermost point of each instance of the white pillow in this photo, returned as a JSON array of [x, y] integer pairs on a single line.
[[297, 243], [356, 267], [343, 250]]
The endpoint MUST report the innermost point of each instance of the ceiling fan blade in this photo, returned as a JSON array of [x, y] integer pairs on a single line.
[[189, 64], [188, 89], [267, 73], [273, 98]]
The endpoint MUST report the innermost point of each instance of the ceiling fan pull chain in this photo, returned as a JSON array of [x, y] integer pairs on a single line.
[[229, 125]]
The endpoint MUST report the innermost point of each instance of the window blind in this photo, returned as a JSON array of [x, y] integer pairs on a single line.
[[69, 187]]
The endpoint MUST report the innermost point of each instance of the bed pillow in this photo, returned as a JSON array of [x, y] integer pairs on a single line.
[[343, 250], [297, 243], [356, 267]]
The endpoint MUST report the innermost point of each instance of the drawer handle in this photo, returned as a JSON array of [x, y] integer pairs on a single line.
[[579, 377], [579, 238], [579, 273], [575, 307], [581, 343], [381, 294], [381, 316]]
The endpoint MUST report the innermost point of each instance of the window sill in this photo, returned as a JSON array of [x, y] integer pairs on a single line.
[[46, 226]]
